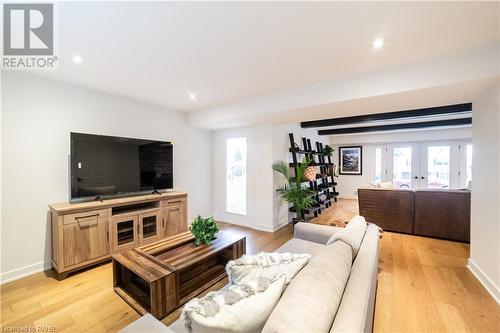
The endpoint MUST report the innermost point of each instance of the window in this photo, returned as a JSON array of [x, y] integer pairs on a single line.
[[468, 164], [378, 165], [236, 176]]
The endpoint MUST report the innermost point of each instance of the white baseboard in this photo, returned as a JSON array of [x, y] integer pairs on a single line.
[[280, 225], [18, 273], [257, 226], [492, 289]]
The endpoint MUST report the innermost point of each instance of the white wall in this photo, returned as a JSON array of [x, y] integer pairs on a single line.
[[484, 259], [38, 115], [348, 184]]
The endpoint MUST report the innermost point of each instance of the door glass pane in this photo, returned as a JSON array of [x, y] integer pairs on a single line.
[[468, 165], [149, 226], [402, 167], [125, 232], [378, 165], [236, 176], [438, 167]]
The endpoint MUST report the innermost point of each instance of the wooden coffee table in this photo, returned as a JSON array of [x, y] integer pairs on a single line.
[[160, 277]]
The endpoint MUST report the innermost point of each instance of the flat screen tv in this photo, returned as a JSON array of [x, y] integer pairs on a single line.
[[108, 166]]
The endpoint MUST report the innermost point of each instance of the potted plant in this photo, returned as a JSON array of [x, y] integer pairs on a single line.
[[293, 191], [204, 230], [327, 150]]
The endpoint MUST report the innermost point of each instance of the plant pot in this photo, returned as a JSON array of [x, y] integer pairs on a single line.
[[201, 242], [296, 220]]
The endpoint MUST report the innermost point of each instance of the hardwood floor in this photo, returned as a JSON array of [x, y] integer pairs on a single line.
[[424, 286]]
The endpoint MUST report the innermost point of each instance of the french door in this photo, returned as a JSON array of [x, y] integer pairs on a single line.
[[440, 166], [403, 164], [430, 165]]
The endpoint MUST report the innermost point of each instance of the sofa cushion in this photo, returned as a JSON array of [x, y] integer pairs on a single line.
[[268, 265], [311, 300], [236, 308], [352, 234], [314, 232], [296, 245]]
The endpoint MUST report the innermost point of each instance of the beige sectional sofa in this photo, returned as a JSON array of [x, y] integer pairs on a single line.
[[334, 292]]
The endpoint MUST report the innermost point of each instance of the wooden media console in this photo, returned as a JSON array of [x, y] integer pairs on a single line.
[[86, 233]]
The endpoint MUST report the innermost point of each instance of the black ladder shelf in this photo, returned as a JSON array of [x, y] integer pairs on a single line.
[[324, 184]]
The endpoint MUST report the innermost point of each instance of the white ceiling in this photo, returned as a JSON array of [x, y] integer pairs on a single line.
[[227, 52]]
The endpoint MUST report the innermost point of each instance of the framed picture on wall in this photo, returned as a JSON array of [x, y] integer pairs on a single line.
[[351, 160]]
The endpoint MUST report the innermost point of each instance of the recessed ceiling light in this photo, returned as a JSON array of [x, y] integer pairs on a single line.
[[378, 43], [77, 59], [192, 96]]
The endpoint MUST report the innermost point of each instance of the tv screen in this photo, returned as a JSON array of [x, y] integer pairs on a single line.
[[108, 166]]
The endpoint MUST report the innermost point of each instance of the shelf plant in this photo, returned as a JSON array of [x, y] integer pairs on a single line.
[[327, 150], [293, 191], [204, 230]]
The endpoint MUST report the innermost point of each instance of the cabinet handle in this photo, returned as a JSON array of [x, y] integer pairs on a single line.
[[86, 216], [163, 223], [107, 236], [87, 224], [175, 202], [174, 209]]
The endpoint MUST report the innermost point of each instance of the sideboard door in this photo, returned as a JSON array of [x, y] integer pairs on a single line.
[[84, 238], [150, 227], [124, 232], [175, 217]]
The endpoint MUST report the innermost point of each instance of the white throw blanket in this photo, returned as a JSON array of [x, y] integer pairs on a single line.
[[256, 283], [265, 265]]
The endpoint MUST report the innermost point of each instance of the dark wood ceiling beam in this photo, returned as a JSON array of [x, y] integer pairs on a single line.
[[439, 110], [404, 126]]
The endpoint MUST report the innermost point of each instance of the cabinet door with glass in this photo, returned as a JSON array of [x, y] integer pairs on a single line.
[[124, 232], [150, 227]]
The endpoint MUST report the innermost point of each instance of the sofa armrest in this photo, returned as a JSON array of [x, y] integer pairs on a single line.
[[314, 232], [147, 323]]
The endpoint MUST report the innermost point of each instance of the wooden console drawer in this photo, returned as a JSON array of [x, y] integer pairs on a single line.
[[177, 201], [86, 218]]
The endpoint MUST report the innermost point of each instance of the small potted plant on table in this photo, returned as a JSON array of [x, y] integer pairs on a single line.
[[204, 230]]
